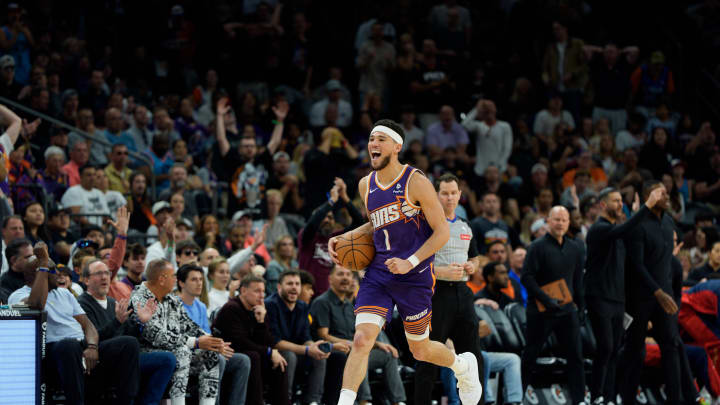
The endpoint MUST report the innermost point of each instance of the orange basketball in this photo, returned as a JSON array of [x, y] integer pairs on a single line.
[[355, 250]]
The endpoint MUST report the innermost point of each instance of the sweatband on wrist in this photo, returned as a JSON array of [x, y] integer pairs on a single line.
[[413, 260], [389, 132], [306, 350], [122, 237], [197, 343], [269, 352]]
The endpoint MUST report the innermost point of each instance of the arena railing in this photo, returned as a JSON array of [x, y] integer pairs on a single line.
[[139, 156]]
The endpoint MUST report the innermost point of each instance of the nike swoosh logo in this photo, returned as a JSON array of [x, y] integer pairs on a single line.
[[426, 267], [373, 190]]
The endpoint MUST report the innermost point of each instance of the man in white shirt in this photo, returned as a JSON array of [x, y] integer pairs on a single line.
[[114, 199], [13, 228], [86, 200], [164, 248], [494, 138], [547, 119], [334, 95]]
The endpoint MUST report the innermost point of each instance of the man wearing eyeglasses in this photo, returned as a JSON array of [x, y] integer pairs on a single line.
[[111, 319], [117, 171]]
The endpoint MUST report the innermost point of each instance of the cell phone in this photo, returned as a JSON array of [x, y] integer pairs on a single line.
[[324, 347], [216, 332]]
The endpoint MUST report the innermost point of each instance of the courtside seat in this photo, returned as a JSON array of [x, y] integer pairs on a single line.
[[492, 342], [504, 328]]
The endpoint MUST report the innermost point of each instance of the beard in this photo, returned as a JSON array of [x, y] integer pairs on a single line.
[[383, 163], [612, 214], [325, 229]]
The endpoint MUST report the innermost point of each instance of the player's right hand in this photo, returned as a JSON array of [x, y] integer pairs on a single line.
[[331, 250]]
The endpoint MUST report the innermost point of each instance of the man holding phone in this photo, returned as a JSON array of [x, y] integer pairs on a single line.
[[290, 326]]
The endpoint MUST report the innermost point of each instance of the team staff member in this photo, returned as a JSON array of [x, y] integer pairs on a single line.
[[551, 258], [650, 280], [605, 286], [453, 312]]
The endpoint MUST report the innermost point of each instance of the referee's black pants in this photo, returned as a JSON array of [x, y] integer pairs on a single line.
[[607, 325], [665, 331], [453, 316]]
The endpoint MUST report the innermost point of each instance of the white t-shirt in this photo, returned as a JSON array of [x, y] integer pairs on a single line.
[[217, 299], [545, 122], [90, 202], [626, 140]]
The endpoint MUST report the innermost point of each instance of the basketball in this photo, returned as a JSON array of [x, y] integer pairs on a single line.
[[355, 250]]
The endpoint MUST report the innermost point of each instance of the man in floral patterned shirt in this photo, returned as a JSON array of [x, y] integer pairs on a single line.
[[171, 329]]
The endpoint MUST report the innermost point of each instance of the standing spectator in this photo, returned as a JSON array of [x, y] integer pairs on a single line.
[[634, 136], [283, 260], [171, 329], [117, 172], [9, 87], [242, 323], [288, 183], [565, 69], [313, 239], [652, 83], [494, 138], [656, 155], [134, 265], [376, 58], [547, 119], [290, 326], [97, 93], [16, 40], [431, 84], [550, 258], [86, 200], [446, 133], [140, 131], [161, 162], [277, 226], [318, 110], [490, 226], [78, 158], [110, 318], [440, 17], [97, 150], [611, 85]]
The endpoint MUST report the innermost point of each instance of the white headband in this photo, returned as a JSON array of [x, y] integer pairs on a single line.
[[389, 132]]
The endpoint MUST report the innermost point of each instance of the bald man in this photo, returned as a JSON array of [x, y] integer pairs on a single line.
[[549, 259]]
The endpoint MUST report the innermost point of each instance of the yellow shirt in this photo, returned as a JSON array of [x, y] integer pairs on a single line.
[[117, 178]]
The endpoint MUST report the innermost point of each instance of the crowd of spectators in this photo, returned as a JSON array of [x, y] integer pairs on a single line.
[[222, 146]]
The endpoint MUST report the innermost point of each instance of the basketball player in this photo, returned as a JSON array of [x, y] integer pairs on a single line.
[[408, 226]]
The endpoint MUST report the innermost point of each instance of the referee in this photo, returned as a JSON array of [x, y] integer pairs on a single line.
[[605, 286], [453, 311]]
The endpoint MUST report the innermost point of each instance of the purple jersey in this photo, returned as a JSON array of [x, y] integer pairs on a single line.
[[400, 227]]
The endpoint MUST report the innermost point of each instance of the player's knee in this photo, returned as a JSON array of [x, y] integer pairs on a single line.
[[420, 350], [362, 342]]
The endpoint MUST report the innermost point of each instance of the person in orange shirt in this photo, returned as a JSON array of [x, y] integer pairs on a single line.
[[599, 179]]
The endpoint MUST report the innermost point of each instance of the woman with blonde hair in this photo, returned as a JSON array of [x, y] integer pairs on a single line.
[[284, 258]]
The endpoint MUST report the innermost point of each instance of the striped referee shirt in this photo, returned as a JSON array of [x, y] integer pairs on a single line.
[[460, 246]]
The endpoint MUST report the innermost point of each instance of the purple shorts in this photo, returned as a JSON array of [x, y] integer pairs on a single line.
[[381, 290]]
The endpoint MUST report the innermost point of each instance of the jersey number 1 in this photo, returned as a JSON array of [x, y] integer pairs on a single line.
[[387, 239]]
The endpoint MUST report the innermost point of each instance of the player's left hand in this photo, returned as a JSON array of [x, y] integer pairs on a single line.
[[398, 266]]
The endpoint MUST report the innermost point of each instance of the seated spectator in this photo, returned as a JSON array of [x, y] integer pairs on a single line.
[[493, 138], [117, 171], [179, 184], [289, 324], [580, 189], [111, 319], [115, 133], [206, 257], [634, 136], [318, 110], [97, 93], [705, 238], [628, 171], [283, 260], [87, 203], [585, 162], [490, 226], [164, 248], [517, 259], [52, 178], [163, 124], [334, 322], [496, 279], [96, 150], [161, 211], [72, 339], [34, 223], [307, 283], [61, 238], [412, 133], [222, 288], [188, 128], [140, 130], [9, 87], [134, 265], [140, 203], [446, 133], [18, 253], [114, 199], [171, 329], [187, 252], [656, 155], [208, 235], [277, 227], [663, 118], [78, 158], [161, 162], [239, 238], [242, 323], [547, 119], [190, 286], [711, 266]]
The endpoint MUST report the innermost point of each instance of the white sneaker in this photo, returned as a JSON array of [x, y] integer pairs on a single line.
[[469, 387], [641, 397], [531, 396], [557, 394]]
